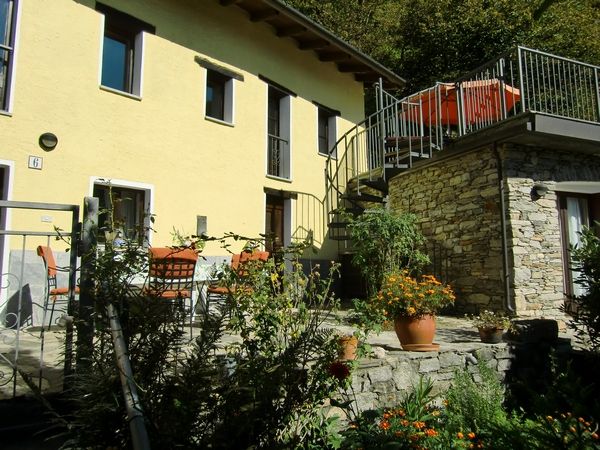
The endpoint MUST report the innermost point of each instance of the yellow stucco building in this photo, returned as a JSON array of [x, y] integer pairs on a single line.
[[210, 116]]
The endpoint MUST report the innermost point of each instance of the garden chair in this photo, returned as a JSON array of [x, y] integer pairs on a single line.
[[217, 291], [171, 276], [54, 293]]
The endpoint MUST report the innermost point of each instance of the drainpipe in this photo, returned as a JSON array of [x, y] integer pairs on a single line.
[[508, 304]]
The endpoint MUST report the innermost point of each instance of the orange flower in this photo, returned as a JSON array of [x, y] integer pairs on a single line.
[[418, 424], [471, 435], [384, 425], [595, 436], [460, 435], [431, 432]]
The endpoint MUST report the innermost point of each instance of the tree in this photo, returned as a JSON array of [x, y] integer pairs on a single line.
[[425, 41]]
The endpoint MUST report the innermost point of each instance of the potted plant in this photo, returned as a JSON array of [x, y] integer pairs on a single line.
[[491, 325], [412, 303], [347, 346]]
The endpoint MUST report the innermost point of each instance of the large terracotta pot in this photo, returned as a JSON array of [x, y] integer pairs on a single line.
[[416, 334]]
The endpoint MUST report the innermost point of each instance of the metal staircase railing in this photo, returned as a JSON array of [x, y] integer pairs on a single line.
[[408, 129]]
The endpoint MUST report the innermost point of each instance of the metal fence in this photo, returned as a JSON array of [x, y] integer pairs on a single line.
[[29, 354]]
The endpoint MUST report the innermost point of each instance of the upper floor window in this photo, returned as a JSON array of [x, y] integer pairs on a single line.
[[122, 50], [326, 129], [219, 96], [7, 43], [278, 133]]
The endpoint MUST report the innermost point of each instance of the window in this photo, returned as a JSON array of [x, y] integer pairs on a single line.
[[219, 96], [577, 211], [122, 50], [7, 38], [219, 90], [326, 129], [127, 210], [278, 133]]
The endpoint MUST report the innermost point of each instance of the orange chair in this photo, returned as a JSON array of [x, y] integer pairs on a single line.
[[237, 264], [171, 276], [52, 290]]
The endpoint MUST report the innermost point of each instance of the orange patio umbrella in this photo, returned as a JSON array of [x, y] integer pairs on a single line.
[[481, 100]]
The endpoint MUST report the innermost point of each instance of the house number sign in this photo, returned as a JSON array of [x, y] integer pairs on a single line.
[[35, 162]]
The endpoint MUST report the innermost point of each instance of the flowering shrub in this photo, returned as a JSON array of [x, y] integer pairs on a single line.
[[403, 295], [490, 319]]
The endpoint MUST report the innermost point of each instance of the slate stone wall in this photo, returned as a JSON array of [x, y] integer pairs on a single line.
[[456, 202]]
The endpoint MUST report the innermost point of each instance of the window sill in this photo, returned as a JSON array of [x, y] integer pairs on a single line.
[[219, 121], [274, 177], [5, 113], [121, 93]]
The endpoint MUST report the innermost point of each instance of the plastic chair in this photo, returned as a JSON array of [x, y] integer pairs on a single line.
[[171, 276], [53, 292]]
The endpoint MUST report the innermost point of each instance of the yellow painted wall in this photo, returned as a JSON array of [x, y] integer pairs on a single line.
[[196, 166]]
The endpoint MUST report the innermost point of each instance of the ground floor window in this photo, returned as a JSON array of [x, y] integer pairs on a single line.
[[123, 210], [576, 212]]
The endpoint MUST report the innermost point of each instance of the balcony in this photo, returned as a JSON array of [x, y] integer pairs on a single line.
[[278, 157], [525, 96]]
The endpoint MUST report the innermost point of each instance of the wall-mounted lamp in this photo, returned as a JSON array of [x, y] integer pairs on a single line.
[[539, 190], [48, 141]]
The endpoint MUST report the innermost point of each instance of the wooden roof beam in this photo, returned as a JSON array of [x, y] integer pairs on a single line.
[[314, 44], [290, 31], [353, 67], [263, 15], [333, 56], [228, 2]]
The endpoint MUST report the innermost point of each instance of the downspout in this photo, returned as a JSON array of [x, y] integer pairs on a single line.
[[508, 304]]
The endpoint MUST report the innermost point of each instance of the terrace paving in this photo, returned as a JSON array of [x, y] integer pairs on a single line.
[[452, 333]]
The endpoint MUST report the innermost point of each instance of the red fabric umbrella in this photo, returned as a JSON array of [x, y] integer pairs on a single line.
[[481, 100]]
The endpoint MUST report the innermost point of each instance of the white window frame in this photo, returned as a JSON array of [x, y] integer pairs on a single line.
[[148, 196], [10, 170], [331, 131], [139, 50], [12, 65], [228, 100], [285, 132]]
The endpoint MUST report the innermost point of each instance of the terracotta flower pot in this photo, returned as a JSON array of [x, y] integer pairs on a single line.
[[347, 347], [490, 335], [416, 334]]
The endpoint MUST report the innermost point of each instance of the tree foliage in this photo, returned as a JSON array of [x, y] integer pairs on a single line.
[[425, 41]]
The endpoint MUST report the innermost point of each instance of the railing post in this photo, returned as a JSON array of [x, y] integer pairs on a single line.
[[597, 76], [85, 324], [524, 99], [381, 155], [501, 91]]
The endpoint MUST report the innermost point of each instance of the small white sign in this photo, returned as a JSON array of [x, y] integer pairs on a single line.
[[35, 162]]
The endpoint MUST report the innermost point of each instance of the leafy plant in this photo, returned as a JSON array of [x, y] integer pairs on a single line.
[[474, 405], [266, 390], [586, 314], [383, 242], [490, 319]]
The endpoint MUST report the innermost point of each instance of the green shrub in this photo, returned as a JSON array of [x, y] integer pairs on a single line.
[[474, 405], [384, 241], [586, 314], [265, 390]]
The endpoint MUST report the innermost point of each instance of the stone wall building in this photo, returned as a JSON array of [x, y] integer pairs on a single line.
[[501, 209]]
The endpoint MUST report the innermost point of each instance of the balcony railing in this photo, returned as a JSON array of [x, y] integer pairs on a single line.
[[278, 157], [522, 80]]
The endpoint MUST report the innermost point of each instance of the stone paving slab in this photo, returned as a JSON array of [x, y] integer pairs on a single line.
[[455, 335]]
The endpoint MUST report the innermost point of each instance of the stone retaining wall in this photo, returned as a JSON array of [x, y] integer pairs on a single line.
[[384, 382]]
